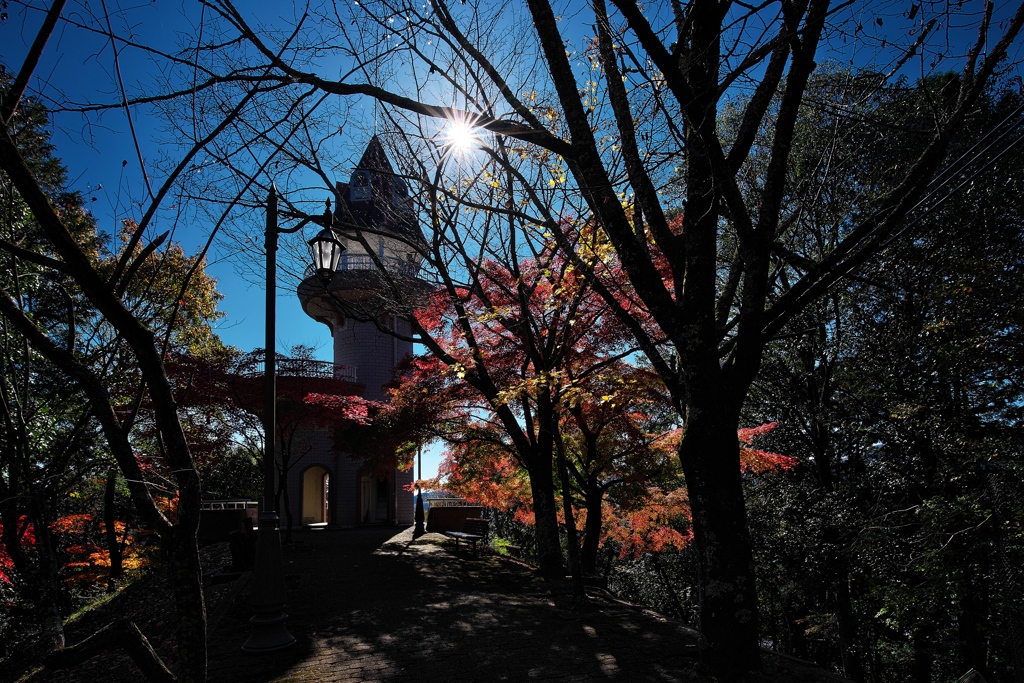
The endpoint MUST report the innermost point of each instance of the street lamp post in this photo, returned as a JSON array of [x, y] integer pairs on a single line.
[[419, 530], [269, 632]]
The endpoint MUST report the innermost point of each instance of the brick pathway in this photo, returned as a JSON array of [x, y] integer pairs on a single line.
[[366, 606], [369, 606]]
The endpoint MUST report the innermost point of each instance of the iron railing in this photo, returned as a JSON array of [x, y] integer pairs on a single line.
[[392, 264], [447, 502], [253, 365]]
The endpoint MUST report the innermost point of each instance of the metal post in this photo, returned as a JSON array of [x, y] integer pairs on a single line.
[[268, 593], [419, 530]]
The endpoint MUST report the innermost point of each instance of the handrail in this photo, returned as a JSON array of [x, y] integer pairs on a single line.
[[391, 264], [253, 366]]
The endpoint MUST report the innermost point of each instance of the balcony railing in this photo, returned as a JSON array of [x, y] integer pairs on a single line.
[[253, 365], [392, 264], [447, 502]]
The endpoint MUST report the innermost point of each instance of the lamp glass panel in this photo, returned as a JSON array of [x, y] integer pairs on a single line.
[[325, 251]]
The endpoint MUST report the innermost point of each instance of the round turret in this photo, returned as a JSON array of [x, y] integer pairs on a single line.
[[375, 221]]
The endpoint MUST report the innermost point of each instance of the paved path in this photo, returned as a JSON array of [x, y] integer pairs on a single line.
[[366, 606]]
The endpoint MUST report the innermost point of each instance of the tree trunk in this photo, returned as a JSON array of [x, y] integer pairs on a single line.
[[110, 533], [549, 548], [846, 619], [579, 593], [50, 588], [973, 610], [709, 452], [185, 574], [708, 396], [921, 668]]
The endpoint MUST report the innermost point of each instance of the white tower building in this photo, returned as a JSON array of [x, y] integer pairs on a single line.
[[366, 348]]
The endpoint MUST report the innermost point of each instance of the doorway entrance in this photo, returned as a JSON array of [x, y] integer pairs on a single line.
[[316, 484]]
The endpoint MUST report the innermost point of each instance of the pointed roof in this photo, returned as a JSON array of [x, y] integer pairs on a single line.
[[379, 209], [374, 158]]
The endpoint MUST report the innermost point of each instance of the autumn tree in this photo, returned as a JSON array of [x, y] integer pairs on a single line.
[[526, 321], [113, 319], [619, 106], [630, 113]]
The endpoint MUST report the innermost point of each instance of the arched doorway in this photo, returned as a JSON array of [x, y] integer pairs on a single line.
[[315, 487]]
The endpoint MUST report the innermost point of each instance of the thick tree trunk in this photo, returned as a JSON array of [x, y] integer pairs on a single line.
[[846, 620], [709, 396], [549, 548], [973, 611], [709, 453], [185, 574], [921, 668], [49, 588]]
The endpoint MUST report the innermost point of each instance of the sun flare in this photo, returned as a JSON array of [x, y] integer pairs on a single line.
[[461, 136]]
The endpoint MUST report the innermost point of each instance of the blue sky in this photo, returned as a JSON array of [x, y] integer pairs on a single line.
[[82, 69], [103, 164], [78, 66]]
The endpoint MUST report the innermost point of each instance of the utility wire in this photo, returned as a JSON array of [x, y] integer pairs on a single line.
[[942, 180]]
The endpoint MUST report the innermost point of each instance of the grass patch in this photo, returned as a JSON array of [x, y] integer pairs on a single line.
[[103, 599]]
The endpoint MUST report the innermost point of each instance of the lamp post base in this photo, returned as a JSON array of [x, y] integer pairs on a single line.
[[268, 593], [269, 634]]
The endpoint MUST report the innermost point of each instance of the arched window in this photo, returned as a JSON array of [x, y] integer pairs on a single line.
[[359, 186]]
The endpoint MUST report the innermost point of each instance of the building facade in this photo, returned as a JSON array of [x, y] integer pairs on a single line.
[[375, 221]]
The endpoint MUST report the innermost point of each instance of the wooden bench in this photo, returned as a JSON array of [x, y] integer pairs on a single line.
[[473, 530]]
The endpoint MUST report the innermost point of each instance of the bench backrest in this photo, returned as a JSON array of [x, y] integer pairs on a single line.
[[475, 526]]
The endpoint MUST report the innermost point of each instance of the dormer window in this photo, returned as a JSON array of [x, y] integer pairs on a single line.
[[399, 192], [359, 187]]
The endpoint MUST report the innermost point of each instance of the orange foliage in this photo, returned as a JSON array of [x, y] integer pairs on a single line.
[[651, 528], [489, 476], [757, 461], [28, 539], [89, 562], [72, 524]]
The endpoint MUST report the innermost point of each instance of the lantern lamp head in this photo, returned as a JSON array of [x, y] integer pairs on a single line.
[[325, 250]]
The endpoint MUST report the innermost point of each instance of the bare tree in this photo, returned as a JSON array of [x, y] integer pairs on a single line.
[[624, 114], [113, 301], [618, 106]]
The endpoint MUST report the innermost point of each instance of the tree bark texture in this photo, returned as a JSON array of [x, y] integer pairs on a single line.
[[727, 591], [110, 531], [186, 579], [575, 568], [545, 512]]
